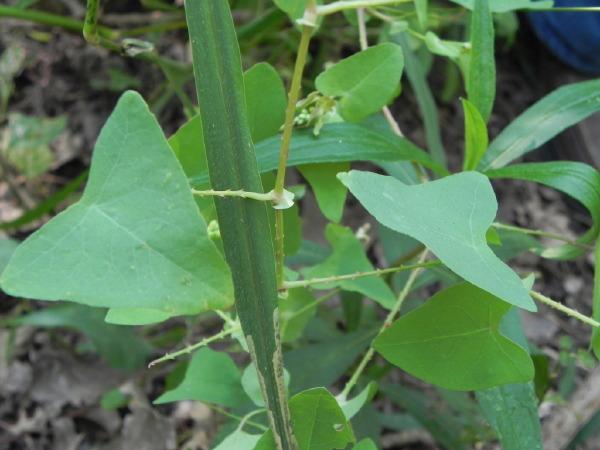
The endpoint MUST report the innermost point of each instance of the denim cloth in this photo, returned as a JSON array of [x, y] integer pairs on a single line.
[[574, 37]]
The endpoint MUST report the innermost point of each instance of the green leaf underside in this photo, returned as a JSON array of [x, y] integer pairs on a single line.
[[239, 440], [558, 110], [499, 6], [134, 240], [453, 229], [352, 406], [136, 316], [364, 82], [578, 180], [318, 423], [211, 377], [121, 347], [338, 142], [7, 248], [329, 192], [348, 256], [244, 225], [481, 82], [453, 341]]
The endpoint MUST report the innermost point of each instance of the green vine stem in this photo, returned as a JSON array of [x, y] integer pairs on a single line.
[[308, 24], [546, 234], [387, 322], [565, 309], [190, 348], [354, 276], [342, 5]]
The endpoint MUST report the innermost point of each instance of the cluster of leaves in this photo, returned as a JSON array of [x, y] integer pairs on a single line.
[[140, 244]]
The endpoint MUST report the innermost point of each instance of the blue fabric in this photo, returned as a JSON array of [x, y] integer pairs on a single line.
[[574, 37]]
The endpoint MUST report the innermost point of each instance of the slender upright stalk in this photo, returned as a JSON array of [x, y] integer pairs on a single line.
[[243, 223], [308, 25]]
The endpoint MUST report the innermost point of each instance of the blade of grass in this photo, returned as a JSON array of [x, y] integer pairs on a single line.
[[243, 223]]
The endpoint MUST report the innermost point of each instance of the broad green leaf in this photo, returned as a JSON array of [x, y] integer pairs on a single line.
[[476, 136], [330, 193], [512, 409], [577, 180], [348, 256], [421, 10], [500, 6], [318, 423], [364, 82], [135, 239], [329, 359], [239, 440], [558, 110], [365, 444], [266, 101], [27, 142], [211, 377], [481, 82], [244, 225], [188, 145], [352, 406], [454, 341], [417, 77], [293, 8], [451, 217], [135, 316], [295, 312], [251, 384], [459, 52], [120, 346], [338, 142], [7, 248]]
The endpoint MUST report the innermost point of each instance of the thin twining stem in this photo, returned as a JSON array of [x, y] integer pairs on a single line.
[[355, 275], [226, 413], [308, 24], [569, 311], [546, 234], [263, 197], [331, 8], [190, 348], [386, 324]]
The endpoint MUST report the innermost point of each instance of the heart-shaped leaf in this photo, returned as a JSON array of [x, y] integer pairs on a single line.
[[134, 240], [210, 377], [451, 217], [365, 82], [454, 341], [318, 422]]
